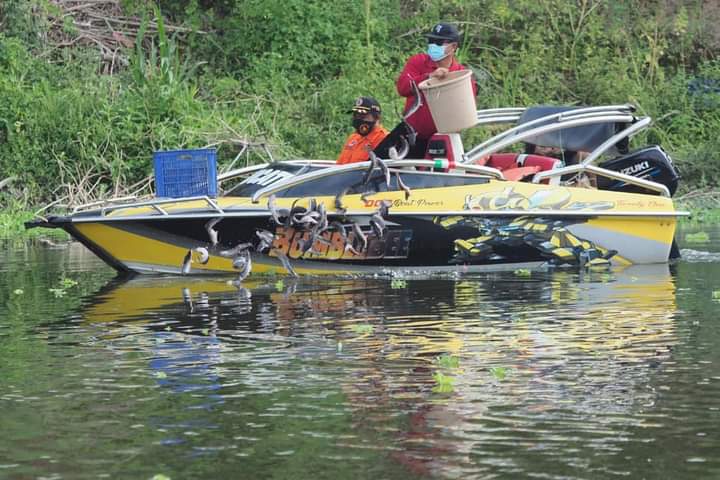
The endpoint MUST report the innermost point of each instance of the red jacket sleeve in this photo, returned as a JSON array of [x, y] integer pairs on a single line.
[[414, 71]]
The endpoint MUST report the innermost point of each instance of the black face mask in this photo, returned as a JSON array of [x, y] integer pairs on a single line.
[[363, 127]]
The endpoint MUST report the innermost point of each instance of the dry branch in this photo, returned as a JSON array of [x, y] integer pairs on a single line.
[[102, 24], [7, 182]]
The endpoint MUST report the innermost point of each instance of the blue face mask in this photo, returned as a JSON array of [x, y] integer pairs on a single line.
[[436, 52]]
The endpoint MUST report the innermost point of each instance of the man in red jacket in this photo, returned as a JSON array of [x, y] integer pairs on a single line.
[[443, 41]]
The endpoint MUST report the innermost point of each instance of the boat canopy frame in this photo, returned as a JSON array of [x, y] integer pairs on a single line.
[[623, 114]]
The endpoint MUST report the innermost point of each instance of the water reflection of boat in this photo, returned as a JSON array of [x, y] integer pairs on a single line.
[[606, 311], [476, 209], [574, 348], [582, 356]]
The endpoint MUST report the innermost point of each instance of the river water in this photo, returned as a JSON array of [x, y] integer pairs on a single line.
[[557, 375]]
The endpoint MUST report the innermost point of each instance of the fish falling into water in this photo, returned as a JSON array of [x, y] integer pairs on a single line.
[[359, 239], [266, 240], [402, 185], [378, 225], [340, 228], [203, 254], [186, 263], [371, 168], [235, 251], [275, 212], [339, 207], [285, 262], [384, 208], [204, 257], [243, 263], [210, 229]]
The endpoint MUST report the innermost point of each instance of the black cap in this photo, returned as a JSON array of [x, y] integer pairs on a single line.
[[444, 31], [366, 105]]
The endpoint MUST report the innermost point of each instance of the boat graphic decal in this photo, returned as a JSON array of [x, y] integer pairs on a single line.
[[551, 199], [332, 245], [267, 176], [497, 238]]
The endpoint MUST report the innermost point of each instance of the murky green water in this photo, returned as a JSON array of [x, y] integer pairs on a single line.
[[559, 375]]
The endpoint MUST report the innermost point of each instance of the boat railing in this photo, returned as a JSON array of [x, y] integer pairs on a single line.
[[337, 170], [603, 172], [490, 116], [98, 203], [157, 205]]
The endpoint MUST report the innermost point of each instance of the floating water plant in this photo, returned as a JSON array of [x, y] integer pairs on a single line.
[[58, 292], [64, 284], [67, 283], [448, 361], [522, 272], [398, 283], [18, 291], [160, 476], [698, 237], [160, 375], [499, 373], [205, 331], [443, 383], [716, 295], [279, 285], [362, 329]]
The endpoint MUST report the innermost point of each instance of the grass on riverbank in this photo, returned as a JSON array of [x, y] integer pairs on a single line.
[[12, 225], [77, 122], [700, 215]]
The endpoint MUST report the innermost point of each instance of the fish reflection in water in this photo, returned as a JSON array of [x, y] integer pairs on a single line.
[[576, 348]]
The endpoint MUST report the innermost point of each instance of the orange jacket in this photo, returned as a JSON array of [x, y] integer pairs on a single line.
[[356, 147]]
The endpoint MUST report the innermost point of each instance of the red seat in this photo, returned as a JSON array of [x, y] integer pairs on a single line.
[[519, 165], [518, 173]]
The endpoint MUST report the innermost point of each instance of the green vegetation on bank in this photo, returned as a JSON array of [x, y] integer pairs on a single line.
[[285, 71]]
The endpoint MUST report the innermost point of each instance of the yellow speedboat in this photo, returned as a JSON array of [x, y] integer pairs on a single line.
[[453, 210]]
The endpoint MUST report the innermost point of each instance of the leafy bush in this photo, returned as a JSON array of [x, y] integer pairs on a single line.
[[285, 72]]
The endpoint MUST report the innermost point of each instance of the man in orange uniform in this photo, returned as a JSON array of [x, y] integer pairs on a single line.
[[368, 131]]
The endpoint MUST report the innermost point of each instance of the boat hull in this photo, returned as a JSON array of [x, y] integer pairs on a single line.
[[444, 243], [496, 224]]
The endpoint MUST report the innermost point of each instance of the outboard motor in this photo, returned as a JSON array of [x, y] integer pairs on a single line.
[[649, 163]]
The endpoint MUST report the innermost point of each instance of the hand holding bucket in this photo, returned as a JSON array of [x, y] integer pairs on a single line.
[[451, 101]]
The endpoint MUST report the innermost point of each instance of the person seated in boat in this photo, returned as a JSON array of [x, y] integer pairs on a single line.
[[437, 62], [366, 114], [568, 157]]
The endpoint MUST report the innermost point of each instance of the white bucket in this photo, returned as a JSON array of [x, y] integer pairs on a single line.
[[451, 101]]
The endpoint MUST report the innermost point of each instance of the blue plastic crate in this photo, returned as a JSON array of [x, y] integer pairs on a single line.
[[186, 173]]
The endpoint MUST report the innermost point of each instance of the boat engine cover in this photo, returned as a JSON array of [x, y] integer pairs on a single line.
[[650, 163]]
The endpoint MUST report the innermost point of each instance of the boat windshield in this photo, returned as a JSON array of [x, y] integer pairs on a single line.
[[349, 181]]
